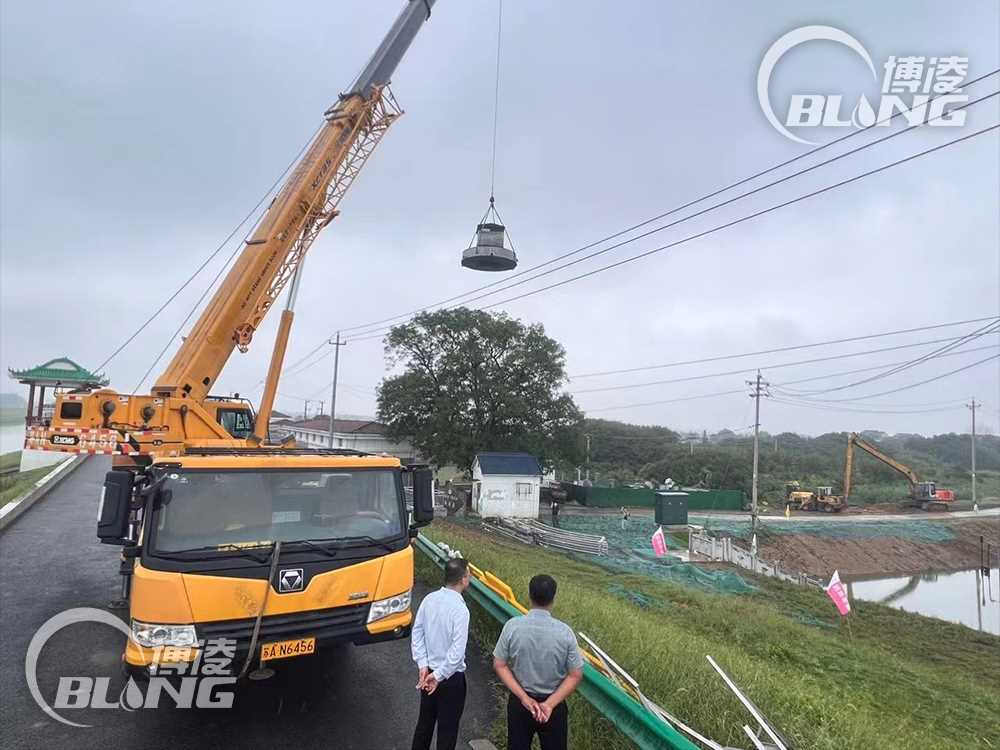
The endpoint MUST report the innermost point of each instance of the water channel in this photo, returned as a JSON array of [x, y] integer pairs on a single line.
[[964, 597]]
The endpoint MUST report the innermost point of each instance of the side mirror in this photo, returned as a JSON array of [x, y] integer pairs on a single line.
[[423, 497], [115, 506]]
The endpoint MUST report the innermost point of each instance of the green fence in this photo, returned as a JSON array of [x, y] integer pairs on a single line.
[[615, 497]]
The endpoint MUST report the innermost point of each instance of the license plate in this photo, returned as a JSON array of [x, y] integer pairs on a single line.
[[285, 649]]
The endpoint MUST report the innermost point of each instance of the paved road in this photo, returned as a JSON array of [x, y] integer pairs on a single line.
[[354, 699]]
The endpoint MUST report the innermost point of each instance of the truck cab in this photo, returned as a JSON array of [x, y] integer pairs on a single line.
[[306, 549]]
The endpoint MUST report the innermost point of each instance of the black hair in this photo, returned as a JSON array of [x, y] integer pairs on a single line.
[[542, 590], [454, 570]]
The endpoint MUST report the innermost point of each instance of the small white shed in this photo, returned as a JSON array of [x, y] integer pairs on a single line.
[[506, 485]]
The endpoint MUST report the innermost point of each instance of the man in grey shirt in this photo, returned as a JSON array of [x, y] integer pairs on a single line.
[[538, 660]]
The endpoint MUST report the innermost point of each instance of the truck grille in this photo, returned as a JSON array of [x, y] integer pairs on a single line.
[[320, 623]]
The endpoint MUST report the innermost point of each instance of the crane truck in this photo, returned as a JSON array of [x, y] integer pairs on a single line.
[[923, 494], [225, 534]]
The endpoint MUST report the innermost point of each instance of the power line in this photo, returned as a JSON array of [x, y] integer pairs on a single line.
[[728, 224], [646, 222], [854, 410], [972, 336], [797, 363], [778, 350], [208, 260], [746, 218], [923, 382], [824, 376]]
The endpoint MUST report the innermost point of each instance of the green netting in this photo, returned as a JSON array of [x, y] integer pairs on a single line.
[[636, 597], [917, 531], [674, 570], [631, 551], [635, 536], [813, 621]]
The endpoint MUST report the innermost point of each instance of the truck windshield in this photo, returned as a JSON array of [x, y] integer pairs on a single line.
[[230, 510]]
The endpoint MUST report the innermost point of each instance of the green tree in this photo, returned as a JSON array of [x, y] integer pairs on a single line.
[[473, 382]]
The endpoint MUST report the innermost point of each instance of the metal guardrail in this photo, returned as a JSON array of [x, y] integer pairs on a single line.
[[626, 709], [535, 532]]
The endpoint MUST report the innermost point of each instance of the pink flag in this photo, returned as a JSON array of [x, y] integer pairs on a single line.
[[838, 592], [659, 543]]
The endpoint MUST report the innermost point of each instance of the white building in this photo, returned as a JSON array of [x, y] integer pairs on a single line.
[[358, 434], [506, 485]]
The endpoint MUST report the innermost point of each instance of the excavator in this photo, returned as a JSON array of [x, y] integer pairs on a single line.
[[923, 494], [225, 534]]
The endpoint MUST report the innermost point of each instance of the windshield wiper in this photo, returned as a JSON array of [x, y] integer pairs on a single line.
[[229, 547], [368, 540], [313, 545]]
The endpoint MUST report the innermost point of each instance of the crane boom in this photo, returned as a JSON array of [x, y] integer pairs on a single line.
[[304, 206], [179, 413]]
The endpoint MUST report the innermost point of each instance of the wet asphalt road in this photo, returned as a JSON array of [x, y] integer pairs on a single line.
[[354, 698]]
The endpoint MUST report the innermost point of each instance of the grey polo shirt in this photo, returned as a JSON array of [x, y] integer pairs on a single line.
[[540, 650]]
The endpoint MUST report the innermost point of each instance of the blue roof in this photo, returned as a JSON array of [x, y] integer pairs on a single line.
[[520, 464]]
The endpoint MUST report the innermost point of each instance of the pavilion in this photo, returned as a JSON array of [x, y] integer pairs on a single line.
[[61, 373]]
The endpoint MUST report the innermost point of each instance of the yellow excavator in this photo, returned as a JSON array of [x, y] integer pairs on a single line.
[[923, 494], [225, 534]]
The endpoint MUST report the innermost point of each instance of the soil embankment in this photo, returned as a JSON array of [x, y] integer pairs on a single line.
[[888, 550]]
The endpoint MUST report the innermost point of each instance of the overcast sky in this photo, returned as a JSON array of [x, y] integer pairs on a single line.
[[135, 136]]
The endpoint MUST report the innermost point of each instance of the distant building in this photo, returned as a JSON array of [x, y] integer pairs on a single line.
[[359, 434], [506, 485]]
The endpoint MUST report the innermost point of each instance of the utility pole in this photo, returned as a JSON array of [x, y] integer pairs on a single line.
[[588, 457], [973, 405], [336, 343], [759, 389]]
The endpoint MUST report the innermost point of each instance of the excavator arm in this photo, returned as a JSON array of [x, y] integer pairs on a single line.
[[854, 439]]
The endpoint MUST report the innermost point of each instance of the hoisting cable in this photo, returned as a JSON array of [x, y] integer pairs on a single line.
[[496, 105], [275, 554]]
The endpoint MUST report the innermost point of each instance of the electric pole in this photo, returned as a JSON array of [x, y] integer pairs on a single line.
[[336, 343], [588, 457], [973, 405], [759, 389]]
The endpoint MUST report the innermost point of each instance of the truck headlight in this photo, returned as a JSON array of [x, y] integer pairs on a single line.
[[391, 606], [152, 635]]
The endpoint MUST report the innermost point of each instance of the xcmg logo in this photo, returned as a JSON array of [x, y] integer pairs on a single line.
[[920, 88]]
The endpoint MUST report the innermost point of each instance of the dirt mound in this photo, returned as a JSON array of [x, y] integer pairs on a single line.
[[872, 554]]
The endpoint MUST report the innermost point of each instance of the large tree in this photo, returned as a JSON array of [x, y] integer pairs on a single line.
[[473, 381]]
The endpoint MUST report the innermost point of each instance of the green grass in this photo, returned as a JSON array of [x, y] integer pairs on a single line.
[[898, 681], [10, 460], [13, 486]]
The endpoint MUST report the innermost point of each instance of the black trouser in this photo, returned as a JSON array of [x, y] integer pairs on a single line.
[[442, 707], [521, 726]]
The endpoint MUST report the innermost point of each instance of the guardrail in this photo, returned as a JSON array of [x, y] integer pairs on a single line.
[[535, 532], [607, 688]]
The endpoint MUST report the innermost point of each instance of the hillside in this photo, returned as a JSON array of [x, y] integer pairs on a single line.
[[625, 452]]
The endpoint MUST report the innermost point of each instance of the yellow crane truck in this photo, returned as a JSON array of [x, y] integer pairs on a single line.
[[224, 533]]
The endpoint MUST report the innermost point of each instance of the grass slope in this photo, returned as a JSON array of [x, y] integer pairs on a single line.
[[902, 681]]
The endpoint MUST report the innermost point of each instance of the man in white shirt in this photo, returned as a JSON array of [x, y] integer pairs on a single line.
[[440, 633]]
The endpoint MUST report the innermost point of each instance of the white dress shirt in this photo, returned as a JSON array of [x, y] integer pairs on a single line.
[[440, 632]]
